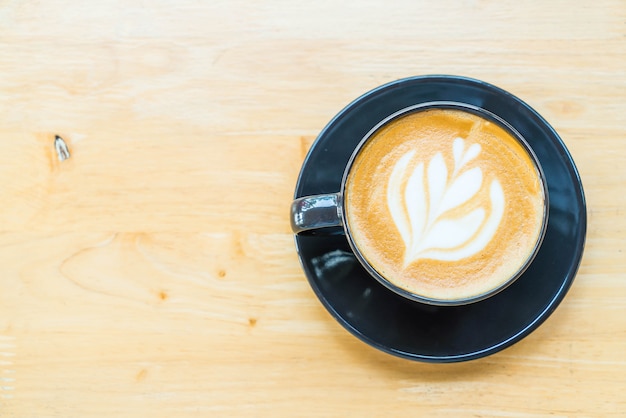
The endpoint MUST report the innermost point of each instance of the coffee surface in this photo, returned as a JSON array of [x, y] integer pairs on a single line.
[[444, 203]]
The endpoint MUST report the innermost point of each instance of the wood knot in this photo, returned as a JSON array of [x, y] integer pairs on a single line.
[[141, 375], [63, 151]]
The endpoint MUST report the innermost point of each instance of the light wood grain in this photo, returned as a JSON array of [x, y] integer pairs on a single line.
[[153, 274]]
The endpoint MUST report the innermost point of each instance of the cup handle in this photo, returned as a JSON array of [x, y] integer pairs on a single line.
[[315, 212]]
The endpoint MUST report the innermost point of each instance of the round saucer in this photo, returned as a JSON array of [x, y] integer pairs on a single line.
[[430, 333]]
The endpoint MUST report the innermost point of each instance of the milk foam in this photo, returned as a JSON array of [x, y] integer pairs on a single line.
[[445, 204], [421, 198]]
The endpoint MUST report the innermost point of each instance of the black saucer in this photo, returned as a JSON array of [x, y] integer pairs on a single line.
[[417, 331]]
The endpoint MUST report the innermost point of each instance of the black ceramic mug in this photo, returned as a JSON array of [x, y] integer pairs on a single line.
[[442, 202]]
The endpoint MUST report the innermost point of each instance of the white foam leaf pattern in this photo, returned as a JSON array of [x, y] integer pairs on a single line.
[[457, 150], [452, 233], [437, 178], [417, 206], [472, 152], [462, 189], [395, 200], [416, 200]]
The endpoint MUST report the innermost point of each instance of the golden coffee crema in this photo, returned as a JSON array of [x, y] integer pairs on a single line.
[[444, 204]]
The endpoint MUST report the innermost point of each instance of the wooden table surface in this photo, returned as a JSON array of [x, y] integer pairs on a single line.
[[154, 273]]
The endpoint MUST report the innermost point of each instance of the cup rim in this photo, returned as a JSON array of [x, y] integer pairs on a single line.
[[444, 104]]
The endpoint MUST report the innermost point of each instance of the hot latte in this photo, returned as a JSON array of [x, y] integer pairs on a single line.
[[444, 203]]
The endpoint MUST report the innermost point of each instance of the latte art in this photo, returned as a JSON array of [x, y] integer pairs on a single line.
[[444, 204], [419, 201]]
